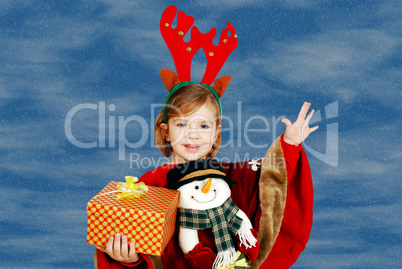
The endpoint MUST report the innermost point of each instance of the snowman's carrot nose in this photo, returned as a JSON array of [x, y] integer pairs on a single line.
[[207, 185]]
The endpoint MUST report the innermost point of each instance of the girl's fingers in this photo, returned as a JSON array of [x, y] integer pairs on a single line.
[[103, 249], [303, 110], [313, 129], [286, 121], [310, 115], [132, 254], [307, 120], [308, 131], [124, 247], [117, 248], [109, 245], [117, 243]]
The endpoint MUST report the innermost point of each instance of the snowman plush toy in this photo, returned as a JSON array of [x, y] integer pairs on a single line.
[[205, 203]]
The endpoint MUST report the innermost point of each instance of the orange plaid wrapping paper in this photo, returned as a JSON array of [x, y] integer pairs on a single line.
[[149, 220]]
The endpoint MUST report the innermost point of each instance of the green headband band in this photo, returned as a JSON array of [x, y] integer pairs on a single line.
[[186, 83]]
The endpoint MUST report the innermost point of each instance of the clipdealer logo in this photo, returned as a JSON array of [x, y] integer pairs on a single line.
[[112, 130]]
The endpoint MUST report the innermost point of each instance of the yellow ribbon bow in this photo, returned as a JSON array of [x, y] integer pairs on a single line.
[[131, 188]]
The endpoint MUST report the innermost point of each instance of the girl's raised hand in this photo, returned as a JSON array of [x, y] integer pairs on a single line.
[[117, 248], [299, 130]]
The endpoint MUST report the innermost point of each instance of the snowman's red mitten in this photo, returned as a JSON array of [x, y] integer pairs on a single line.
[[251, 252], [201, 257]]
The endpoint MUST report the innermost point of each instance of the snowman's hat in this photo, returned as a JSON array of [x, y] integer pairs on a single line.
[[188, 172]]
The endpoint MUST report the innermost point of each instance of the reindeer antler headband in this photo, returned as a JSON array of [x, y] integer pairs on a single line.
[[183, 53]]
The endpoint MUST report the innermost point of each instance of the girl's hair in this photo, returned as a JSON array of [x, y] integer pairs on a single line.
[[182, 103]]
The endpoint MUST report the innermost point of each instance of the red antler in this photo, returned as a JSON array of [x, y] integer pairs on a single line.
[[183, 52], [217, 55]]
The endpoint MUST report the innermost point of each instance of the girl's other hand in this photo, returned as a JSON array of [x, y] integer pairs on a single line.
[[118, 249], [299, 130]]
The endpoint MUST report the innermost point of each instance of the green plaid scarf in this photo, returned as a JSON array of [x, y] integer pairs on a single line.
[[222, 219]]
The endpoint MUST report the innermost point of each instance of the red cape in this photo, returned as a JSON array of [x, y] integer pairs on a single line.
[[296, 224]]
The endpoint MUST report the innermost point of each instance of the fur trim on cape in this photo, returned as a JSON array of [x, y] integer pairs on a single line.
[[272, 187]]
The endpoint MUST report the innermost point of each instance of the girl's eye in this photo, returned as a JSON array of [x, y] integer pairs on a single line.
[[181, 125], [204, 126], [197, 187]]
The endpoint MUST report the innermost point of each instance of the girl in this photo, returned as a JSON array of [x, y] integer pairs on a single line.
[[190, 130], [277, 197]]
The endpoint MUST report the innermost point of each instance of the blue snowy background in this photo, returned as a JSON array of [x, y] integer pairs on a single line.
[[80, 78]]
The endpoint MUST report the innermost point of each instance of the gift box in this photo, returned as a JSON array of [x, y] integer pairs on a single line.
[[148, 220]]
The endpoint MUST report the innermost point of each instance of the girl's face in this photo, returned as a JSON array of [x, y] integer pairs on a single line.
[[192, 136]]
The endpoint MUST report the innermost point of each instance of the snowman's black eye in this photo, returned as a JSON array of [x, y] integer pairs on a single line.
[[197, 187]]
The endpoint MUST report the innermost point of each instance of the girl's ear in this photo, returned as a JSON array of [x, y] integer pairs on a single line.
[[218, 130], [165, 132]]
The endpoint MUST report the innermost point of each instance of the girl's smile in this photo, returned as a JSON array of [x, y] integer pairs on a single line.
[[192, 147]]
